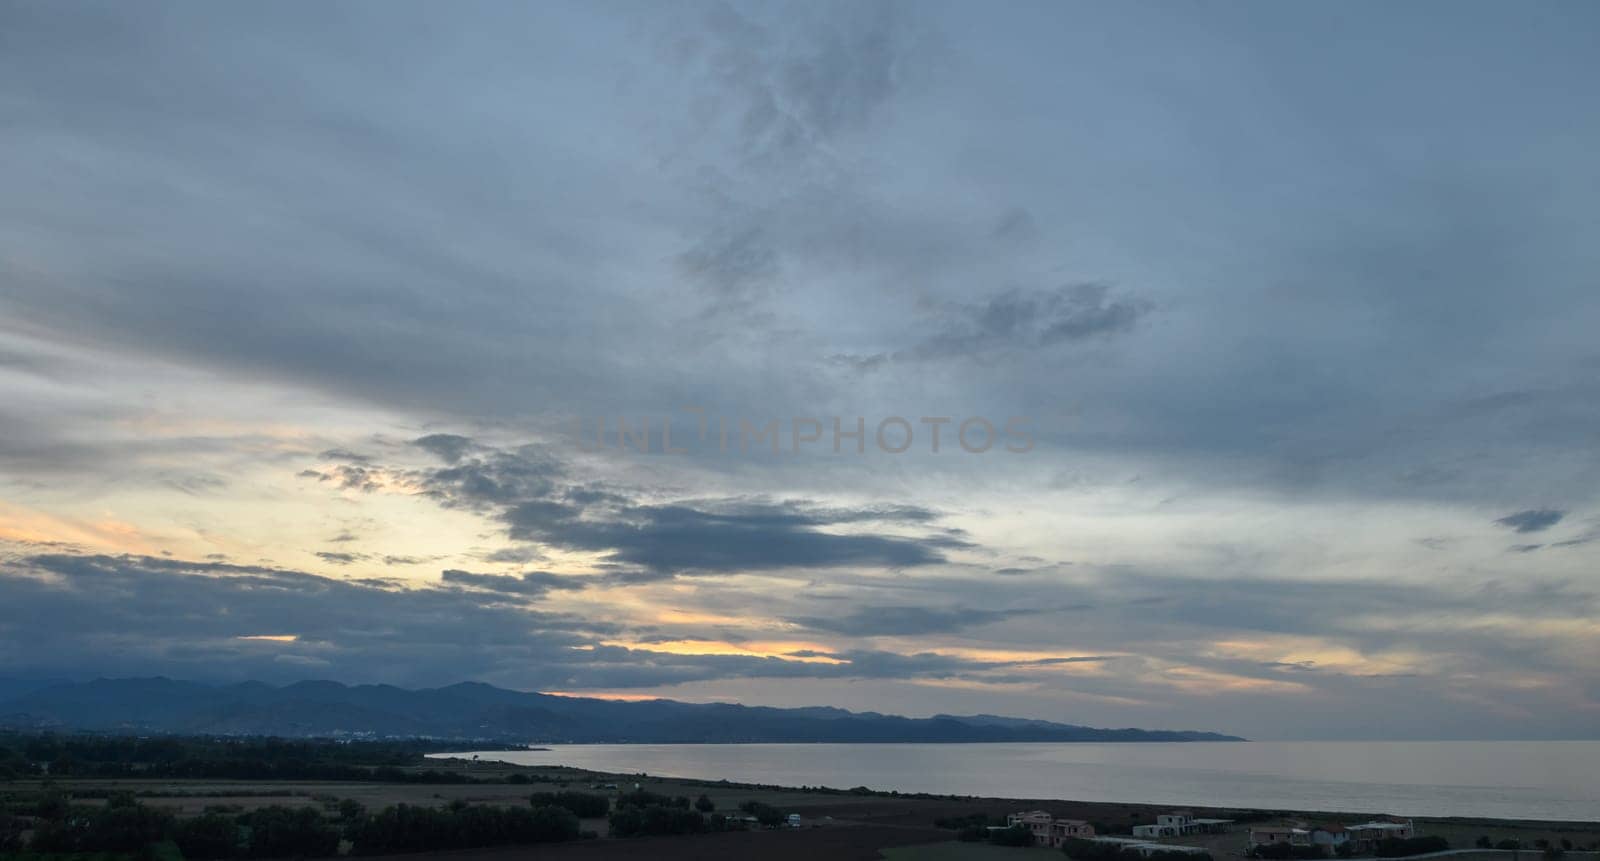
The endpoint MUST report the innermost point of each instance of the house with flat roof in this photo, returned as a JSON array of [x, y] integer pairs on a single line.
[[1179, 823], [1365, 836], [1049, 831], [1331, 836]]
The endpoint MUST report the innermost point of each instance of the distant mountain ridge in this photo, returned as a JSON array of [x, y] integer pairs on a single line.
[[474, 710]]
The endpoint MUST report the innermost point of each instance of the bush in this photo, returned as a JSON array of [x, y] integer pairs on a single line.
[[1016, 835], [764, 813], [959, 823], [1483, 842], [645, 798], [582, 804], [277, 832], [1509, 844], [210, 835], [635, 821], [405, 828], [704, 804], [123, 829], [1397, 847], [10, 833]]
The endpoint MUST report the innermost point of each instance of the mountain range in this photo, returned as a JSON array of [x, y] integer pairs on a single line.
[[473, 710]]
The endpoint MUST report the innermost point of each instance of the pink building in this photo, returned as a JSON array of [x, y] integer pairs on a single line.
[[1048, 830]]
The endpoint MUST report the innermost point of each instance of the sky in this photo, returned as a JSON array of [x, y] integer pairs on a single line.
[[1259, 340]]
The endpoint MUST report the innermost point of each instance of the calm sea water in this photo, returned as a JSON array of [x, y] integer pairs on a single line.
[[1558, 780]]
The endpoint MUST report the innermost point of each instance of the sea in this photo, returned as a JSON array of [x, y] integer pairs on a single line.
[[1551, 780]]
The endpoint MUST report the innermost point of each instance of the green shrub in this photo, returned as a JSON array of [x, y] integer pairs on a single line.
[[1399, 847], [279, 831], [210, 835], [635, 821], [582, 804]]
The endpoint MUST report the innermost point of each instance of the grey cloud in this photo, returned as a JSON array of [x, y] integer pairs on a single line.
[[1532, 520], [1016, 319], [137, 615], [900, 621], [449, 448], [530, 492]]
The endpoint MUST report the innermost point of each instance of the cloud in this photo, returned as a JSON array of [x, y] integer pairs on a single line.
[[532, 494], [138, 615], [1532, 520], [907, 621], [532, 583]]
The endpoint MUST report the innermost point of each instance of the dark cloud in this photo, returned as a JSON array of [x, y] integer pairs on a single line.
[[1532, 520], [531, 493], [447, 447], [1016, 319], [138, 615], [907, 621]]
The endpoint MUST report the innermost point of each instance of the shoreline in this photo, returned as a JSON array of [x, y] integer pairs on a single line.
[[578, 773]]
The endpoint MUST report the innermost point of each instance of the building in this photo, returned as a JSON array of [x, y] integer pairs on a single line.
[[1365, 836], [1178, 823], [1330, 837], [1048, 830], [1271, 834]]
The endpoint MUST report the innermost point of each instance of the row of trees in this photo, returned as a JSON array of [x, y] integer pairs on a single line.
[[125, 825], [1398, 847], [582, 804], [407, 828], [639, 813], [224, 758], [121, 827]]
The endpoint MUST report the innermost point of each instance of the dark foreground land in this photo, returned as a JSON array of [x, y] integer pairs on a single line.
[[837, 843], [346, 785]]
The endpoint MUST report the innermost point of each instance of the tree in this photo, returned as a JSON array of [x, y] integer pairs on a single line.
[[127, 828], [208, 836], [582, 804], [765, 814], [290, 831], [10, 832], [633, 821], [704, 804]]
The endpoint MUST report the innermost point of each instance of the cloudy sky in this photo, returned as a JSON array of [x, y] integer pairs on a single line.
[[1260, 338]]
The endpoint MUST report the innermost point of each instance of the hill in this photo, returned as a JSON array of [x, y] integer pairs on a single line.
[[473, 710]]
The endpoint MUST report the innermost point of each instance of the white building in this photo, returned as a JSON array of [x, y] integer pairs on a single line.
[[1179, 823]]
